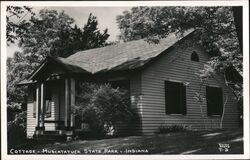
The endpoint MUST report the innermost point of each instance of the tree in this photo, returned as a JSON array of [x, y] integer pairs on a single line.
[[19, 27], [17, 69], [215, 32], [48, 33], [51, 33], [93, 38]]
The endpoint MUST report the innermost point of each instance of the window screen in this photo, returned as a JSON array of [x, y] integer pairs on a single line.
[[214, 100], [175, 98]]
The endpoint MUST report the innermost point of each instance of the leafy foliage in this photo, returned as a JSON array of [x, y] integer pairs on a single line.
[[48, 33], [215, 32], [102, 106], [18, 68], [17, 129], [18, 27], [52, 34]]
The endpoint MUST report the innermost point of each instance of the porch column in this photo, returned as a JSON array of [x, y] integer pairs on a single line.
[[72, 102], [66, 103], [42, 105], [37, 105]]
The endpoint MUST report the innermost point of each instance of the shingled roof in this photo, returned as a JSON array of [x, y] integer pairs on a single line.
[[129, 55], [123, 56]]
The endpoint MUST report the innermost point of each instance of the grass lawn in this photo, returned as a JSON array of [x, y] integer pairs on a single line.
[[191, 142]]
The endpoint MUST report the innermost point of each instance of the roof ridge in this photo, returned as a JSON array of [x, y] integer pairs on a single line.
[[128, 55], [125, 43], [107, 46]]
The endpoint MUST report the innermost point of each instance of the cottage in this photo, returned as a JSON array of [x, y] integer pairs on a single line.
[[162, 81]]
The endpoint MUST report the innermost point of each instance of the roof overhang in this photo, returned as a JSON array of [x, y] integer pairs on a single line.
[[69, 68], [72, 67], [26, 82]]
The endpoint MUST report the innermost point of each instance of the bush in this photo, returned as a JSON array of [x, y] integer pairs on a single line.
[[17, 130], [173, 128], [102, 106]]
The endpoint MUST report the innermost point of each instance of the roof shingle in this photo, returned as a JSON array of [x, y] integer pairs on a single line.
[[122, 56]]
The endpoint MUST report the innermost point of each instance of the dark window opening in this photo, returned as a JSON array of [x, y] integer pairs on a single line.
[[214, 101], [34, 101], [48, 100], [194, 57], [175, 98]]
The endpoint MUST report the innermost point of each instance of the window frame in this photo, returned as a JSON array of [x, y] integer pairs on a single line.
[[210, 111], [182, 104], [34, 102], [195, 57]]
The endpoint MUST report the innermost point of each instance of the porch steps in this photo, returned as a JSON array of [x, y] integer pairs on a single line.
[[51, 136]]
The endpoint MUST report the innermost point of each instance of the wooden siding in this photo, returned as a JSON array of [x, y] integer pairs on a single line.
[[177, 66], [31, 122]]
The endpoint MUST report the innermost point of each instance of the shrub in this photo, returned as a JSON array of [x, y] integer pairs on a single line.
[[17, 130], [173, 128], [102, 106]]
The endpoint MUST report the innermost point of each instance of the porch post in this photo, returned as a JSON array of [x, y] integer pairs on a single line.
[[37, 104], [72, 102], [42, 105], [66, 103]]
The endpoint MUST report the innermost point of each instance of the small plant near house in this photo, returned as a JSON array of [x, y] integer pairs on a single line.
[[173, 128]]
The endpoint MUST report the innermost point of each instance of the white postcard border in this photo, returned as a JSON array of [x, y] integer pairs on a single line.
[[243, 3]]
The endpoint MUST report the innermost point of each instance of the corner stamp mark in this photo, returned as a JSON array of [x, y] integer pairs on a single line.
[[223, 147]]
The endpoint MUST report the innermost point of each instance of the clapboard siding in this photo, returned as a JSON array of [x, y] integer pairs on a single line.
[[31, 122], [176, 65]]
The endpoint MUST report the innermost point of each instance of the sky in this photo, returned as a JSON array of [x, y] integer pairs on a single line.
[[106, 19]]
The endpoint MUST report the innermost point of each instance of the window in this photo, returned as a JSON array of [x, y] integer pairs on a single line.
[[48, 101], [34, 102], [194, 57], [214, 101], [175, 98]]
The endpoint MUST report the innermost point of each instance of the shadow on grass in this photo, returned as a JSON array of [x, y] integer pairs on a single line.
[[190, 142]]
